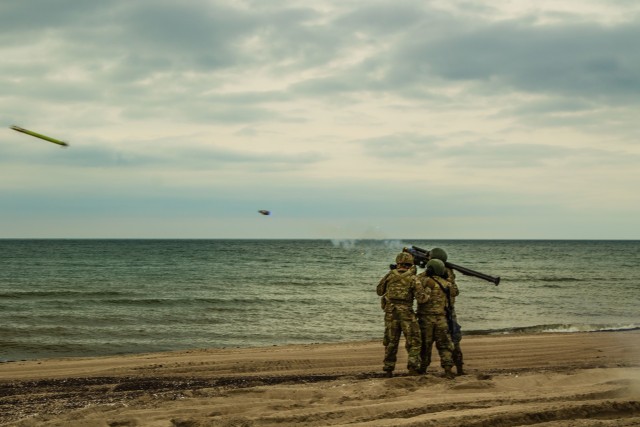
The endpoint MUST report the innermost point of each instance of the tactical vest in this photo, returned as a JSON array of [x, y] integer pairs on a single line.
[[437, 303], [400, 287]]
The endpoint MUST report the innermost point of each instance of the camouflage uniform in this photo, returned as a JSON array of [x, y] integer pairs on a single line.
[[398, 289], [433, 323], [456, 334]]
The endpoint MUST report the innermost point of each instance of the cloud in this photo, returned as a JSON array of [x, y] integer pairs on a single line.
[[578, 60], [339, 113]]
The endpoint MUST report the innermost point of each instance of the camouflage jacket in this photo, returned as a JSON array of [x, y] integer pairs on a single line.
[[437, 302], [398, 288]]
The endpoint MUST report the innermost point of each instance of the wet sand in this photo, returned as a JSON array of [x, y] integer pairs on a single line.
[[546, 380]]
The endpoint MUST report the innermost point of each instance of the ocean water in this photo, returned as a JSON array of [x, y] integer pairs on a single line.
[[68, 298]]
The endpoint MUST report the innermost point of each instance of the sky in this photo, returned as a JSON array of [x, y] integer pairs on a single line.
[[388, 119]]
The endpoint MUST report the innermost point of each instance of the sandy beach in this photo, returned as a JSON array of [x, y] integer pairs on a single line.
[[577, 379]]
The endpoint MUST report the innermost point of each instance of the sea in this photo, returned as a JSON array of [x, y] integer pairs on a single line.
[[80, 298]]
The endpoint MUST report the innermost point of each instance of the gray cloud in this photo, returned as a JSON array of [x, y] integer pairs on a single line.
[[139, 39], [379, 20], [412, 49], [22, 22], [585, 60]]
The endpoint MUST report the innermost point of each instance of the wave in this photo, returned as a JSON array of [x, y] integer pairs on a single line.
[[231, 304], [555, 328], [61, 293]]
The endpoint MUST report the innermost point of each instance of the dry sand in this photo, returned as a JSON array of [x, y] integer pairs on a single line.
[[579, 379]]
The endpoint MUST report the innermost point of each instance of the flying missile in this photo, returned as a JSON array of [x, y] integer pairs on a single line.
[[264, 212], [38, 135]]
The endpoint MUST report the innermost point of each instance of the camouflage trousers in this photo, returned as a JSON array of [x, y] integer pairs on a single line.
[[456, 337], [435, 329], [400, 320]]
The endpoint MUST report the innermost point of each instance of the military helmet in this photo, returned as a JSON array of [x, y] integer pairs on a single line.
[[404, 257], [438, 253], [437, 266]]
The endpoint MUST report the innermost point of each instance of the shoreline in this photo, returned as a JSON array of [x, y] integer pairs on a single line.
[[512, 331], [591, 375]]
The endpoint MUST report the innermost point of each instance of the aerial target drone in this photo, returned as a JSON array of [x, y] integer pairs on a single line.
[[264, 212], [39, 135]]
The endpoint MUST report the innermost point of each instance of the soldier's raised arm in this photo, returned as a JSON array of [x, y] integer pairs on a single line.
[[421, 294], [381, 289]]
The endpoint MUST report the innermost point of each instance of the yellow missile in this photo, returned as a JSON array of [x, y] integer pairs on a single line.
[[38, 135]]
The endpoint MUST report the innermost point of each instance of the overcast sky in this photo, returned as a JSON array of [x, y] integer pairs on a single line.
[[347, 119]]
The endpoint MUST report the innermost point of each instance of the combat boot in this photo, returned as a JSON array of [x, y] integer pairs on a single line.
[[388, 374], [448, 373], [459, 369]]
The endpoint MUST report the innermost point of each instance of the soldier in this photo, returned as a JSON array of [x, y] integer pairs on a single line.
[[456, 333], [398, 288], [432, 317]]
